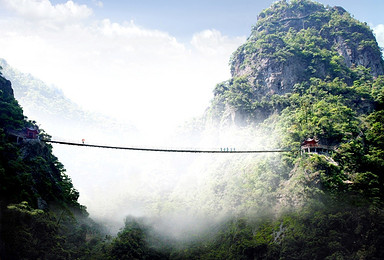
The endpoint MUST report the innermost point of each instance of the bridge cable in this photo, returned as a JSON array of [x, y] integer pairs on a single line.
[[163, 150]]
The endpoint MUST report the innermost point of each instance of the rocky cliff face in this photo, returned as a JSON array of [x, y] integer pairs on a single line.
[[291, 43], [6, 88], [302, 39]]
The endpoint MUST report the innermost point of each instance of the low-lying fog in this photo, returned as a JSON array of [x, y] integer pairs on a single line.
[[178, 191]]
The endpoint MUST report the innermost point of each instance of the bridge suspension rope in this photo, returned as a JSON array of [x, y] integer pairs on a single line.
[[166, 150]]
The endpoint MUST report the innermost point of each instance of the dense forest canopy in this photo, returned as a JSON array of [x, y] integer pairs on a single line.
[[307, 71]]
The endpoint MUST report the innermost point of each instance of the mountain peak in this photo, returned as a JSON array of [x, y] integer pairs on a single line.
[[291, 43], [305, 37]]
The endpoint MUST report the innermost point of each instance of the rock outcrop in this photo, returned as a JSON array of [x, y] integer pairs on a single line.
[[6, 88]]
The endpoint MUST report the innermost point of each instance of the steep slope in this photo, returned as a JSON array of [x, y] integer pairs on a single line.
[[291, 43], [40, 217], [31, 162]]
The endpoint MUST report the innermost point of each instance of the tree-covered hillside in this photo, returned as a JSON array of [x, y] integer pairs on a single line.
[[336, 97], [290, 44], [40, 217]]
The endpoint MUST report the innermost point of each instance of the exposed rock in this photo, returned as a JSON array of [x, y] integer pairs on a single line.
[[41, 204], [6, 88]]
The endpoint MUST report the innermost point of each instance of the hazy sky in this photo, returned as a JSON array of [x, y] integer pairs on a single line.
[[144, 61]]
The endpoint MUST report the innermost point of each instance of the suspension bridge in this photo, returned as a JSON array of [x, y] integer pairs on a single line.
[[218, 151]]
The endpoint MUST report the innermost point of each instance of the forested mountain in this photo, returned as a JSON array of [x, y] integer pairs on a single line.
[[306, 73], [290, 44]]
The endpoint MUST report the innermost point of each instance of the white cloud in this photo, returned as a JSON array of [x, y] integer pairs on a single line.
[[212, 42], [138, 74], [44, 10], [139, 38], [379, 32]]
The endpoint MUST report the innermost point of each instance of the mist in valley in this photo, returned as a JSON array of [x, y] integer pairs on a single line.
[[178, 192]]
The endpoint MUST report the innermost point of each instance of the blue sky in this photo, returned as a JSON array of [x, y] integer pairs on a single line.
[[235, 18], [182, 18], [168, 53]]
